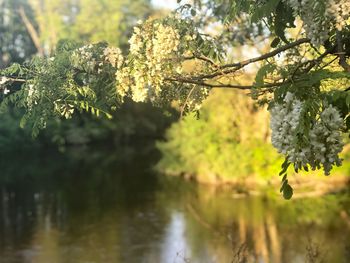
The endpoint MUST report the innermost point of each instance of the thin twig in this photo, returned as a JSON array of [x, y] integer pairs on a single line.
[[186, 101], [201, 57]]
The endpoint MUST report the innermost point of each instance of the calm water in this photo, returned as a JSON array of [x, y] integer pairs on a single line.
[[87, 207]]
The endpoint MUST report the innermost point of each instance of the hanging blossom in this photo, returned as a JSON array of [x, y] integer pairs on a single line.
[[3, 81], [153, 48], [284, 122], [324, 143], [319, 15], [94, 58], [340, 11], [83, 58], [32, 96], [6, 91], [113, 56]]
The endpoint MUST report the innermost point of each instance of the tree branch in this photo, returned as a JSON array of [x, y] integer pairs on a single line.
[[15, 79], [229, 86], [200, 80], [230, 68], [205, 84]]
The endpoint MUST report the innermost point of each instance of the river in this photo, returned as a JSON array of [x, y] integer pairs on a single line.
[[85, 206]]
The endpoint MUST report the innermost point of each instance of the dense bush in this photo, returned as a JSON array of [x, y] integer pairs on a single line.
[[229, 142]]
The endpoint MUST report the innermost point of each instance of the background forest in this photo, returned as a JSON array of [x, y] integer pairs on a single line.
[[228, 140], [93, 189]]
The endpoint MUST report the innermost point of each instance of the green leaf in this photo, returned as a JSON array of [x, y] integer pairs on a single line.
[[193, 12], [296, 170], [284, 183], [347, 123], [283, 19], [211, 53], [348, 100], [23, 121], [262, 73], [284, 177], [287, 192], [284, 167], [264, 10], [275, 42]]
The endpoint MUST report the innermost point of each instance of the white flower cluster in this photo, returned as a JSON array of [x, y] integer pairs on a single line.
[[340, 10], [326, 140], [84, 58], [113, 56], [136, 41], [4, 80], [319, 15], [324, 144], [5, 91], [32, 96], [284, 122], [153, 47]]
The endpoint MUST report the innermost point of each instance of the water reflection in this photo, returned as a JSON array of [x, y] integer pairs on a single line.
[[88, 207], [175, 242]]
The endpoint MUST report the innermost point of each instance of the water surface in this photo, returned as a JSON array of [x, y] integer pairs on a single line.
[[87, 206]]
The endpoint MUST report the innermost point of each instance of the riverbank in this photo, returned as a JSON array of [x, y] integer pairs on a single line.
[[304, 185]]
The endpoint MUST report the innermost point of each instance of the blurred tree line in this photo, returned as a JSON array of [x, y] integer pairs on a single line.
[[229, 142], [34, 27], [28, 27]]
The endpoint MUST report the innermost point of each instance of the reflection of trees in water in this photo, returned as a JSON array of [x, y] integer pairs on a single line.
[[52, 201], [257, 242], [96, 207], [265, 238], [271, 231]]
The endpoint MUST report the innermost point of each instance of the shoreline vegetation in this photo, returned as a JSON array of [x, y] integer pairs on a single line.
[[238, 154], [304, 186]]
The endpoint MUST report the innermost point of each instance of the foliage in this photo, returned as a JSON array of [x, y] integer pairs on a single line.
[[88, 21], [228, 143], [154, 69], [59, 85], [11, 135], [131, 123]]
